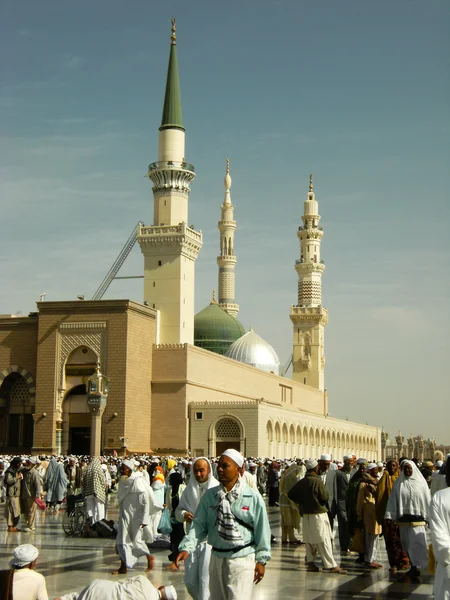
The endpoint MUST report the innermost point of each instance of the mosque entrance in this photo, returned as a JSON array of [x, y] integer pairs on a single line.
[[76, 433], [227, 435], [16, 414]]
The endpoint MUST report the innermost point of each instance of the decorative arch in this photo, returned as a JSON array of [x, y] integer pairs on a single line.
[[31, 385], [298, 434], [317, 438], [227, 429], [270, 439], [285, 433], [338, 439], [277, 432]]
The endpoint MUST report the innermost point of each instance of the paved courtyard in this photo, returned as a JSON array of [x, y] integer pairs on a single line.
[[69, 563]]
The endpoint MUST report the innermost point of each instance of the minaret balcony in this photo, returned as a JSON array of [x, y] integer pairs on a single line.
[[158, 237], [170, 164], [226, 259], [308, 268], [308, 314]]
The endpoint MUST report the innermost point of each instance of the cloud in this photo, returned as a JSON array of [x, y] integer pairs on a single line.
[[71, 61], [401, 318]]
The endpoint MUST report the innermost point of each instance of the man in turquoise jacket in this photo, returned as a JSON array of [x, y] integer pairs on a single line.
[[233, 518]]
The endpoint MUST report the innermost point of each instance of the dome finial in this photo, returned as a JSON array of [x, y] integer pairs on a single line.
[[213, 300], [251, 329], [227, 181], [173, 37], [310, 183]]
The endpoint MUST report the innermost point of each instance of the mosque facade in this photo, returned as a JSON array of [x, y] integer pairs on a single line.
[[180, 383]]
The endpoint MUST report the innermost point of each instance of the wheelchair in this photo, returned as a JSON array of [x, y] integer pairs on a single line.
[[74, 518]]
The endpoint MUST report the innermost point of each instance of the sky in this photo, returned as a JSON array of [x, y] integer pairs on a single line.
[[356, 93]]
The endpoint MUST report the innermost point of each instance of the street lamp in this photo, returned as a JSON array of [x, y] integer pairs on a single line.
[[97, 395]]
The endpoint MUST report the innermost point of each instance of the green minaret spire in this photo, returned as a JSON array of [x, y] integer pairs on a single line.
[[172, 114]]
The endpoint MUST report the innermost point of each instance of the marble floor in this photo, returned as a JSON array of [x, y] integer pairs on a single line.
[[69, 563]]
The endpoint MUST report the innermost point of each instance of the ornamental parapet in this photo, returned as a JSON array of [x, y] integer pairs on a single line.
[[169, 346], [171, 176], [307, 268], [317, 314], [171, 164], [181, 236], [227, 258]]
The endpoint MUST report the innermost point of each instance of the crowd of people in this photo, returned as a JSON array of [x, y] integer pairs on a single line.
[[212, 512]]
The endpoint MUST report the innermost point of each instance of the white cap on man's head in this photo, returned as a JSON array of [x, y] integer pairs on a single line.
[[171, 592], [234, 455], [311, 464], [24, 555], [348, 457], [325, 457]]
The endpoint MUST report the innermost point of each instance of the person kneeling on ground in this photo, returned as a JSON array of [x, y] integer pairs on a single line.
[[132, 588]]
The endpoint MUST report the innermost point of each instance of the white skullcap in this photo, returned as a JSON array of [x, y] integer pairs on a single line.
[[136, 463], [129, 464], [24, 555], [171, 592], [311, 464], [371, 466], [348, 457], [31, 460], [325, 457], [439, 463], [252, 464], [361, 461], [380, 464], [234, 455]]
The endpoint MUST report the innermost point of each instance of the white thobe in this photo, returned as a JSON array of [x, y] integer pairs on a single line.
[[133, 588], [133, 511], [440, 537], [317, 537]]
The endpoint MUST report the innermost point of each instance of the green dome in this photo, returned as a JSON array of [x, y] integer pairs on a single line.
[[215, 330]]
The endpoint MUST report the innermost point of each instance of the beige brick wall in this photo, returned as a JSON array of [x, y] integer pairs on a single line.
[[130, 333], [18, 343]]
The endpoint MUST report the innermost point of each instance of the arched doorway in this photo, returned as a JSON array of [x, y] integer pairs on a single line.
[[228, 434], [76, 428], [76, 419], [16, 413]]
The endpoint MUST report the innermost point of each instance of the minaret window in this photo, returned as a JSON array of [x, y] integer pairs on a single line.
[[159, 263]]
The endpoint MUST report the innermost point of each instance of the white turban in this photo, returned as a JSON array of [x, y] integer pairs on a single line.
[[24, 555], [348, 457], [311, 464], [371, 466], [171, 593], [234, 455], [325, 457], [129, 464]]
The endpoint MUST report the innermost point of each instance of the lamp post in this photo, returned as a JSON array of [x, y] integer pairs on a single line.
[[97, 394]]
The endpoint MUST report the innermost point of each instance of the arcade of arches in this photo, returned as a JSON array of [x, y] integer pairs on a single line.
[[302, 440]]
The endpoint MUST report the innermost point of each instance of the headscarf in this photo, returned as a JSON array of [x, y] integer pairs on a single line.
[[94, 480], [191, 495], [383, 492], [410, 495]]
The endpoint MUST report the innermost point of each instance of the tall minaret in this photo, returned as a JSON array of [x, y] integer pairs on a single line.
[[170, 247], [227, 260], [309, 317]]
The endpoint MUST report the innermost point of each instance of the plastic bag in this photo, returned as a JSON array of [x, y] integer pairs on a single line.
[[165, 526]]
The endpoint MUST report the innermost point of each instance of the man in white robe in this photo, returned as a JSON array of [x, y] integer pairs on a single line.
[[196, 577], [135, 499], [133, 588], [440, 537]]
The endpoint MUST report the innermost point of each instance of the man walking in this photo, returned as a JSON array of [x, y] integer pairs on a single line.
[[312, 497], [233, 518], [30, 489], [196, 577]]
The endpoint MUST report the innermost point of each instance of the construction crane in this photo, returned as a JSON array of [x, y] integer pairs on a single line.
[[117, 264], [288, 364]]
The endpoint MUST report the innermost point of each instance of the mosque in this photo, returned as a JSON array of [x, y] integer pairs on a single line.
[[180, 383]]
